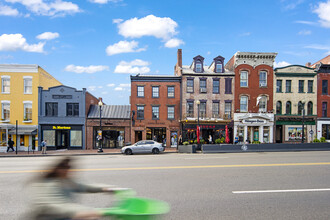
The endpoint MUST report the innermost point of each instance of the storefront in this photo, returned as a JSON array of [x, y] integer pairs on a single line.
[[112, 137], [63, 136], [323, 129], [289, 129], [254, 127]]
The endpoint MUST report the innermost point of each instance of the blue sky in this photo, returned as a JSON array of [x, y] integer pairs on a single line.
[[98, 44]]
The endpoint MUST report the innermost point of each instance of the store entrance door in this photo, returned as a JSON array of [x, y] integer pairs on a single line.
[[138, 136], [62, 139]]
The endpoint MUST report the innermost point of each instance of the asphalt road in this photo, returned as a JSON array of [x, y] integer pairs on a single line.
[[290, 185]]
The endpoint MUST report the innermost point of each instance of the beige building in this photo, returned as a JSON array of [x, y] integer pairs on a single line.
[[295, 103]]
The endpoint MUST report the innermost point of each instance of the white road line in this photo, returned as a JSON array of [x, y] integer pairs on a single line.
[[205, 158], [281, 191]]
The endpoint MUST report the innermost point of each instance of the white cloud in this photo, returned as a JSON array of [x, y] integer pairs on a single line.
[[305, 32], [117, 20], [100, 87], [133, 67], [8, 11], [48, 36], [92, 88], [173, 43], [323, 11], [125, 85], [48, 8], [281, 64], [162, 28], [104, 1], [293, 4], [319, 47], [245, 34], [123, 47], [111, 85], [119, 89], [104, 93], [306, 22], [14, 42], [87, 69]]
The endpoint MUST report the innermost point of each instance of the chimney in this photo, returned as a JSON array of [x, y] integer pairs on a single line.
[[308, 64], [179, 58]]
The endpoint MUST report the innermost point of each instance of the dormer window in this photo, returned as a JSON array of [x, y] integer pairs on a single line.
[[218, 67], [198, 66], [218, 64]]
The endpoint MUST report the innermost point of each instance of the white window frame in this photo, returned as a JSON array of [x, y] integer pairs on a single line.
[[241, 78], [261, 101], [4, 102], [241, 102], [25, 79], [170, 112], [3, 78], [25, 104], [265, 80]]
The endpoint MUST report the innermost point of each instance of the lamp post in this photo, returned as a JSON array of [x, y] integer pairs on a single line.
[[100, 150], [198, 129], [303, 126]]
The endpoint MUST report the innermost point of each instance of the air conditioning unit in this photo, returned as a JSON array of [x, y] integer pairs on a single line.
[[215, 116], [204, 90]]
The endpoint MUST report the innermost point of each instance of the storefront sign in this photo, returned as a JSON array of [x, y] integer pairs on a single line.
[[62, 96], [61, 127], [254, 121], [193, 126]]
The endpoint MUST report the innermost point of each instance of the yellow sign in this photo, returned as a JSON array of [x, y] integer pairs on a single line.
[[61, 127]]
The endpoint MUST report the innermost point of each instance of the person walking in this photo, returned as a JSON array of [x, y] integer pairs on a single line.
[[10, 145], [180, 140], [210, 139], [44, 147]]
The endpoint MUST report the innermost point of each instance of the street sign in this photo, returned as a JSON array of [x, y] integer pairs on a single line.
[[311, 132]]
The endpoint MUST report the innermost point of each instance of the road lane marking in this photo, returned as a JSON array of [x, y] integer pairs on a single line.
[[175, 167], [199, 158], [281, 191]]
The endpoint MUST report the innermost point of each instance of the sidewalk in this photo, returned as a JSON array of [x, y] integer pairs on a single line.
[[70, 152]]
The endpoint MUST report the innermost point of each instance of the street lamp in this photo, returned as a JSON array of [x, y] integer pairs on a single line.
[[198, 129], [303, 125], [100, 150]]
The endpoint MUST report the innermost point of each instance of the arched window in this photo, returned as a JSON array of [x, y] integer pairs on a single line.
[[262, 104], [218, 67], [198, 66], [244, 104], [279, 108], [288, 108], [310, 108], [300, 107]]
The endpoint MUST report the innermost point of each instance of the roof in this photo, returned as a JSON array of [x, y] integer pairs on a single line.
[[207, 70], [110, 111], [147, 78], [325, 60]]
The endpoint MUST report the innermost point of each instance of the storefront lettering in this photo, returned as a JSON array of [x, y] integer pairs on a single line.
[[253, 121], [61, 127]]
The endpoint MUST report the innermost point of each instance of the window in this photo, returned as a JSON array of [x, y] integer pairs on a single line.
[[263, 79], [5, 84], [301, 86], [51, 108], [310, 108], [324, 87], [27, 85], [27, 111], [310, 86], [278, 85], [155, 92], [227, 110], [215, 110], [198, 66], [324, 109], [279, 108], [76, 138], [155, 112], [288, 108], [228, 85], [190, 109], [218, 68], [202, 109], [72, 109], [216, 86], [170, 112], [140, 91], [140, 112], [263, 104], [5, 111], [190, 85], [288, 86], [244, 104], [300, 108], [202, 86], [244, 79], [170, 91]]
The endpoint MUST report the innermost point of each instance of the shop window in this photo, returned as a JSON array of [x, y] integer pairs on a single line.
[[155, 92], [244, 104], [324, 109], [190, 109], [170, 112], [288, 108], [324, 87], [21, 140], [240, 131], [140, 91], [310, 86], [49, 135], [300, 108], [27, 111], [51, 108], [76, 138], [288, 86], [5, 82], [310, 108], [216, 86], [301, 86], [140, 112], [170, 91], [278, 85], [279, 108], [215, 110], [190, 85], [326, 131], [266, 134], [202, 86], [263, 79], [28, 85], [155, 112], [5, 111], [202, 110], [244, 79], [72, 109]]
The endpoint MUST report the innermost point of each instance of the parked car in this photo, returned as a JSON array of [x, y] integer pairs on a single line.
[[146, 146]]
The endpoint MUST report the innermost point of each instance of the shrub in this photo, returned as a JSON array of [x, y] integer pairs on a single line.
[[256, 142], [316, 140], [195, 141], [191, 141], [185, 143], [202, 141], [222, 140], [217, 141], [322, 140]]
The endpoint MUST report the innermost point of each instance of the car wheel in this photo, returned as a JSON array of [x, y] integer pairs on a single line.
[[128, 152], [155, 151]]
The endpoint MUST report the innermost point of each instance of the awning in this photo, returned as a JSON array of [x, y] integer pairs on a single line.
[[23, 131]]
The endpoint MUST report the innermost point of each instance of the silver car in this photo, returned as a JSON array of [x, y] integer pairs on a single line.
[[148, 146]]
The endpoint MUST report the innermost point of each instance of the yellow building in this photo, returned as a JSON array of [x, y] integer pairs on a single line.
[[19, 102]]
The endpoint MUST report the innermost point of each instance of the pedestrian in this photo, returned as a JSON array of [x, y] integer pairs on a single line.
[[44, 147], [10, 145], [155, 138], [180, 140], [52, 195], [236, 139], [164, 142], [210, 139], [172, 140]]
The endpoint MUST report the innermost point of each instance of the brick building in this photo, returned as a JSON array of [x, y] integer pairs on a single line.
[[155, 108], [253, 117], [209, 91]]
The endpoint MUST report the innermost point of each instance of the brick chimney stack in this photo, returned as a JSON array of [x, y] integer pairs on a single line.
[[178, 66], [308, 64]]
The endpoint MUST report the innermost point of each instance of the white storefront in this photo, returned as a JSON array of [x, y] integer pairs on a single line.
[[254, 127], [323, 129]]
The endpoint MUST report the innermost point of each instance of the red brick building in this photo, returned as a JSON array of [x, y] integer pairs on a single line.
[[155, 108], [253, 117]]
